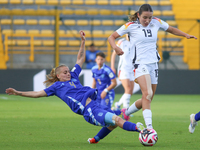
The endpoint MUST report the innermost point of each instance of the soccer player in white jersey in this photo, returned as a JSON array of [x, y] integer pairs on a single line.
[[142, 30], [125, 71]]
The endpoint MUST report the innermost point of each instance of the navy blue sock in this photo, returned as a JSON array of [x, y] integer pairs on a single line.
[[197, 116], [117, 112], [129, 126], [102, 133]]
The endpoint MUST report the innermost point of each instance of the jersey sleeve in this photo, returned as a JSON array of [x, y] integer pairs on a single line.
[[110, 73], [50, 91], [124, 29], [76, 70], [162, 24]]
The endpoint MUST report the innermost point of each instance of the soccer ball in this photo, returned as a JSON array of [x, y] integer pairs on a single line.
[[148, 137]]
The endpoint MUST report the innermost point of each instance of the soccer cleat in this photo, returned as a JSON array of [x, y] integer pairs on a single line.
[[124, 116], [193, 123], [139, 126], [92, 141]]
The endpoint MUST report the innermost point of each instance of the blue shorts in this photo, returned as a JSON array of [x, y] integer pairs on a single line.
[[94, 113]]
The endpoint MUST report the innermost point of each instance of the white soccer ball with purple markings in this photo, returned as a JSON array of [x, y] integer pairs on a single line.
[[148, 137]]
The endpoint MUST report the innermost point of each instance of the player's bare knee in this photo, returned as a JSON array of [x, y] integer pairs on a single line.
[[149, 95], [116, 119]]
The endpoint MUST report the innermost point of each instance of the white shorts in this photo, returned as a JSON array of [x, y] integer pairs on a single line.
[[151, 69], [122, 74]]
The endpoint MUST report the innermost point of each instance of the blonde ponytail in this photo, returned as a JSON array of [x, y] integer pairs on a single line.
[[52, 77]]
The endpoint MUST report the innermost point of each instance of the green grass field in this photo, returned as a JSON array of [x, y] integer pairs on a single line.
[[49, 124]]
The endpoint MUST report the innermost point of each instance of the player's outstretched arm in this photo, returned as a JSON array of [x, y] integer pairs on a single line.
[[111, 40], [81, 53], [178, 32], [33, 94]]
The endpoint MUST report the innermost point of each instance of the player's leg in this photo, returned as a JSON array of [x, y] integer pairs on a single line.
[[101, 134], [113, 121], [125, 77], [148, 84], [127, 94], [96, 115], [193, 121], [137, 105], [145, 85], [128, 89]]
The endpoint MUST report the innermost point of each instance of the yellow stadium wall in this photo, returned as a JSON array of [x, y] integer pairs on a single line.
[[2, 57], [187, 16]]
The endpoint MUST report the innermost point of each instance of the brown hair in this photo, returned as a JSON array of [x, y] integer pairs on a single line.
[[52, 77], [144, 7], [101, 54]]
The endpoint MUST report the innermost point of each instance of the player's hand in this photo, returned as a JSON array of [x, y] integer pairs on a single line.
[[190, 36], [103, 94], [11, 91], [118, 51], [82, 34]]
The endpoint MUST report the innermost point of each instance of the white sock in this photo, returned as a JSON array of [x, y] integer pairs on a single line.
[[126, 100], [131, 109], [124, 96], [147, 114]]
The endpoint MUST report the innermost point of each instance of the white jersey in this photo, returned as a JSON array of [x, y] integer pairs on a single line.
[[125, 60], [143, 39]]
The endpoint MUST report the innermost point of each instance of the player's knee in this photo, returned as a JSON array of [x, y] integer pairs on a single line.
[[116, 119], [149, 95]]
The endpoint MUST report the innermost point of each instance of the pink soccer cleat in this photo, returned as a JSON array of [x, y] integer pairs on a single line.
[[124, 116]]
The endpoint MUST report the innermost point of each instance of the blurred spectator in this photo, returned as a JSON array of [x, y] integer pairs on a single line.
[[91, 56]]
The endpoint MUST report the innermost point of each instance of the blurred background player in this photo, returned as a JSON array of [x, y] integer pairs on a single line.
[[125, 71], [90, 56], [104, 80], [193, 121], [142, 29]]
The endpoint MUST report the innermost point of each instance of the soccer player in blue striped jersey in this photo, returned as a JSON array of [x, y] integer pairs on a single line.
[[65, 84], [104, 80]]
